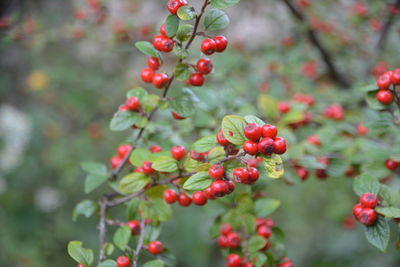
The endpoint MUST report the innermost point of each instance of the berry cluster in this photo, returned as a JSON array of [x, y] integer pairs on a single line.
[[385, 93], [364, 211], [122, 151]]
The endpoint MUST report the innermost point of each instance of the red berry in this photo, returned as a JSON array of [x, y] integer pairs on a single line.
[[283, 107], [368, 200], [209, 193], [196, 79], [391, 164], [233, 240], [383, 81], [268, 130], [153, 63], [367, 216], [147, 75], [231, 186], [221, 43], [247, 264], [220, 188], [321, 174], [221, 139], [178, 152], [286, 263], [123, 150], [115, 162], [250, 147], [123, 108], [252, 131], [279, 145], [157, 41], [266, 146], [241, 175], [132, 103], [313, 140], [196, 155], [357, 210], [384, 96], [253, 175], [225, 229], [204, 65], [199, 198], [361, 129], [395, 77], [184, 200], [162, 30], [216, 172], [209, 46], [135, 227], [166, 45], [177, 117], [233, 260], [174, 5], [123, 261], [264, 231], [147, 169], [302, 173], [269, 222], [155, 247], [155, 149], [223, 241], [170, 196], [160, 80]]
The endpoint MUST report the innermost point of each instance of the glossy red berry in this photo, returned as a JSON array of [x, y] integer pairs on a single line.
[[177, 117], [395, 77], [225, 229], [209, 193], [233, 240], [208, 46], [221, 139], [160, 80], [279, 145], [199, 198], [147, 75], [367, 216], [123, 261], [241, 175], [391, 164], [184, 200], [115, 162], [269, 222], [252, 131], [369, 200], [264, 231], [155, 247], [223, 241], [178, 152], [220, 188], [153, 63], [123, 150], [284, 107], [170, 196], [204, 65], [253, 175], [174, 5], [216, 172], [155, 149], [221, 43], [383, 81], [132, 103], [268, 130], [166, 45], [266, 146], [196, 79], [357, 210], [231, 186], [162, 30], [147, 169], [135, 227], [157, 40], [384, 96], [250, 147], [233, 260], [302, 173]]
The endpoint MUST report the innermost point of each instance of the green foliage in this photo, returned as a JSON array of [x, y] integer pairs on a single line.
[[80, 254]]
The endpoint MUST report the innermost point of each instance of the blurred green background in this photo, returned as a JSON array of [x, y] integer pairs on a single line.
[[64, 71]]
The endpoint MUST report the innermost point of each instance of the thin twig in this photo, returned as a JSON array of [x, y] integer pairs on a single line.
[[139, 244], [102, 228], [196, 24]]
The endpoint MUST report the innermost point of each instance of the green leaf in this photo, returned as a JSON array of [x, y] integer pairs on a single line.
[[389, 212], [122, 236], [292, 117], [147, 49], [215, 20], [182, 72], [378, 234], [216, 154], [268, 106], [154, 263], [310, 162], [123, 120], [108, 263], [184, 103], [369, 87], [223, 3], [94, 167], [184, 32], [165, 164], [186, 13], [180, 52], [93, 181], [376, 169], [198, 181], [80, 254], [265, 206], [273, 166], [150, 102], [233, 129], [372, 102], [205, 143], [138, 156], [248, 221], [256, 243], [133, 182], [366, 183], [85, 207], [108, 248], [162, 210], [171, 25], [254, 119], [138, 92]]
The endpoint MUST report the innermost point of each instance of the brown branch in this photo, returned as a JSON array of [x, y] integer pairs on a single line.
[[313, 37], [196, 24], [102, 228], [139, 244]]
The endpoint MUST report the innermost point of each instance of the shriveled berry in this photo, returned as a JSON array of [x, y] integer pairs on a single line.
[[196, 155]]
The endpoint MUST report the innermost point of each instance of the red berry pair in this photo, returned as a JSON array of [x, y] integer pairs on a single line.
[[246, 176], [122, 151], [170, 197], [364, 211], [385, 95], [228, 238], [217, 44]]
